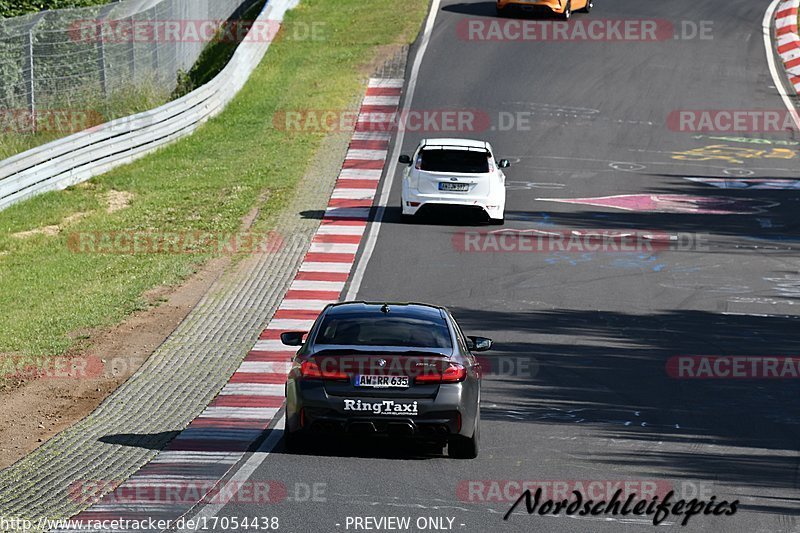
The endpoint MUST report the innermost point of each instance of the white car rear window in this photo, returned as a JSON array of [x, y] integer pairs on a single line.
[[457, 161]]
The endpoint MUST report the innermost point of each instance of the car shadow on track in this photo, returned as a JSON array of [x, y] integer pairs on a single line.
[[325, 445], [152, 441], [322, 445], [454, 216]]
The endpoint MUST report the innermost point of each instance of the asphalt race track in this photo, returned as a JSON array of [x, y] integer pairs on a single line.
[[578, 387]]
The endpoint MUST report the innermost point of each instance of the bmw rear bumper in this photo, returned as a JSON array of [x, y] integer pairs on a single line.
[[452, 412]]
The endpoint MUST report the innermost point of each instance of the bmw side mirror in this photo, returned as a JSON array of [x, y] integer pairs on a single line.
[[405, 159], [293, 338], [479, 344], [504, 163]]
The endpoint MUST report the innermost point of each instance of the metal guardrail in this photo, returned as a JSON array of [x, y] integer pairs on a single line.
[[79, 157]]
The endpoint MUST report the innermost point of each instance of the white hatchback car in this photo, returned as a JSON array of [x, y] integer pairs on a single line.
[[460, 172]]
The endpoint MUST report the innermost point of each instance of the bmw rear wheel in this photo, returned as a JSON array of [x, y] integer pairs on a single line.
[[589, 6], [460, 447]]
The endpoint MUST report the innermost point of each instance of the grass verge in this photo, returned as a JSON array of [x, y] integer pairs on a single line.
[[207, 183]]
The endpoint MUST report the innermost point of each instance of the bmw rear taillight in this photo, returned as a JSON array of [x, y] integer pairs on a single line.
[[454, 373], [311, 370]]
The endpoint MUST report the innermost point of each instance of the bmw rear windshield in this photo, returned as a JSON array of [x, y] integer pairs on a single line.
[[393, 329], [456, 161]]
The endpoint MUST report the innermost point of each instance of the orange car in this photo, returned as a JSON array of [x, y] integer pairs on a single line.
[[563, 8]]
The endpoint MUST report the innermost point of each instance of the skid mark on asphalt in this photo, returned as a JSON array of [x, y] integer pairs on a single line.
[[788, 286], [775, 184], [673, 203], [575, 416]]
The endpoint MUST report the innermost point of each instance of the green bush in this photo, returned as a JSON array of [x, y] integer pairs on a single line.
[[14, 8]]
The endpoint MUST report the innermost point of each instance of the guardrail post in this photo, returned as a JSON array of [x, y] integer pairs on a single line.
[[132, 50], [101, 59], [154, 43], [31, 88]]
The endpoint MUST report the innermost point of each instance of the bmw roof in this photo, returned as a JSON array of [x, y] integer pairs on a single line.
[[407, 309]]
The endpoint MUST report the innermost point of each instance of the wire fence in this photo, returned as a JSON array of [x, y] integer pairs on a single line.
[[69, 58]]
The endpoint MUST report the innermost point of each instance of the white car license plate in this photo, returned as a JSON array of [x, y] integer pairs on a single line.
[[458, 187], [381, 382]]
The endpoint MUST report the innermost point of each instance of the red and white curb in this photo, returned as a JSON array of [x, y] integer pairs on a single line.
[[789, 40], [207, 449]]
